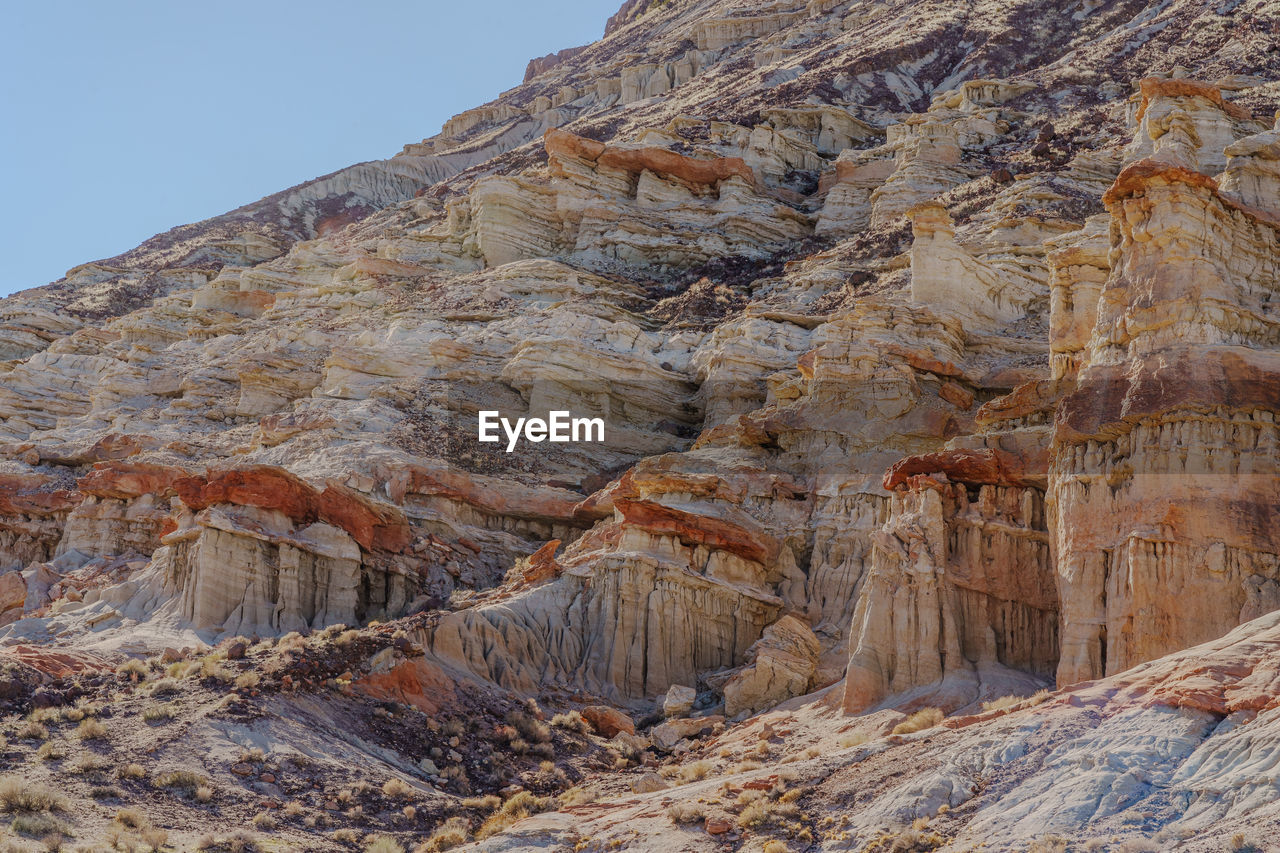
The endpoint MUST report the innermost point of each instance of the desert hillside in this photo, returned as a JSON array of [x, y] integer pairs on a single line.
[[937, 350]]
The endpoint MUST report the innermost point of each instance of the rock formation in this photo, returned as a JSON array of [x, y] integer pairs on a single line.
[[936, 348]]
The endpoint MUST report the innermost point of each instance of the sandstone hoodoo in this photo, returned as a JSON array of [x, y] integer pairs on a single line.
[[842, 425]]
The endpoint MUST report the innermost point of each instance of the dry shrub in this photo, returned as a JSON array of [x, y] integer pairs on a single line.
[[916, 838], [32, 730], [682, 814], [854, 738], [165, 687], [51, 751], [90, 764], [132, 818], [397, 789], [695, 771], [384, 844], [487, 803], [923, 719], [184, 781], [572, 722], [520, 806], [40, 825], [22, 796], [159, 713], [91, 729], [764, 811], [454, 832], [133, 670]]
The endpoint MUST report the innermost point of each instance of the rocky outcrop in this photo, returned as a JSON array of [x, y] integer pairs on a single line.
[[1164, 480], [261, 551], [780, 665], [696, 230]]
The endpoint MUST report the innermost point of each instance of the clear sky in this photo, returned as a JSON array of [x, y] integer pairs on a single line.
[[119, 120]]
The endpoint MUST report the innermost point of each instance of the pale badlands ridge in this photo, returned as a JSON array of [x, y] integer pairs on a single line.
[[940, 354]]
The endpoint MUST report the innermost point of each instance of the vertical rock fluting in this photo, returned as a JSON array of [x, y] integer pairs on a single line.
[[961, 580], [1166, 476]]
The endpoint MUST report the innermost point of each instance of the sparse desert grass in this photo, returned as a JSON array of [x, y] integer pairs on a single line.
[[919, 721], [184, 781], [133, 670], [165, 687], [264, 821], [695, 771], [487, 803], [247, 680], [764, 811], [88, 763], [40, 825], [577, 796], [682, 814], [181, 669], [45, 716], [159, 713], [23, 796], [203, 793], [1004, 703], [293, 808], [773, 845], [852, 739], [550, 770], [346, 638], [518, 807], [105, 792], [1132, 845], [454, 832], [253, 756], [131, 818], [572, 721], [530, 727], [1052, 844], [811, 752], [917, 837], [237, 842], [211, 667], [397, 789], [1241, 843], [132, 771], [293, 641], [51, 750], [32, 730], [745, 766], [91, 729], [383, 844]]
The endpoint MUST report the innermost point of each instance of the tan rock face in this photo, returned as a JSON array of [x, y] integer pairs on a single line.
[[1164, 479], [780, 665]]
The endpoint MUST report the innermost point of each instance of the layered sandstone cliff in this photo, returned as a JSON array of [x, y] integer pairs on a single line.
[[937, 350]]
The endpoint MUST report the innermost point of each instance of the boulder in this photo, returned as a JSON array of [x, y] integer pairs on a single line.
[[648, 783], [781, 665], [666, 735], [608, 721], [679, 700]]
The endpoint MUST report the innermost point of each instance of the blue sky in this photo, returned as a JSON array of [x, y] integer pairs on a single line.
[[120, 120]]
